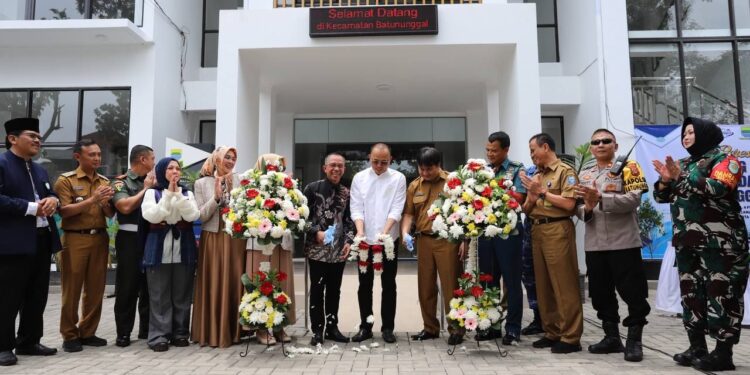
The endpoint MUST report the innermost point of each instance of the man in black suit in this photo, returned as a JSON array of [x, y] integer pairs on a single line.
[[30, 237]]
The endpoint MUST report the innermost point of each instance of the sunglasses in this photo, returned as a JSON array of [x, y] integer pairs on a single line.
[[605, 141]]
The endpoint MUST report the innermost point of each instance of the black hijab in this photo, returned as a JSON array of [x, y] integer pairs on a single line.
[[707, 136]]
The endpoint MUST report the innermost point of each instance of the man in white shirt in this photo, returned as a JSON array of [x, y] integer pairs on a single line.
[[377, 200]]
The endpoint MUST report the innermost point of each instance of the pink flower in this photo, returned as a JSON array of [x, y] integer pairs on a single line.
[[479, 217], [292, 215], [471, 324], [460, 313], [265, 226]]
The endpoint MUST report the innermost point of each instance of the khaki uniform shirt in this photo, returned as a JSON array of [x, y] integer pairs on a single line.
[[559, 179], [419, 197], [126, 186], [74, 187], [613, 224]]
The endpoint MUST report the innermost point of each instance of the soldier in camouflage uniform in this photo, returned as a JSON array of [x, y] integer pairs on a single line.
[[710, 240]]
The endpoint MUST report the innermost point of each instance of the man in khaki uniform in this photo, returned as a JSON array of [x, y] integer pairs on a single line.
[[435, 256], [84, 198], [550, 202]]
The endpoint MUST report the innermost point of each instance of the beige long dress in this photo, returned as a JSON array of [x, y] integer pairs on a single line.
[[280, 260]]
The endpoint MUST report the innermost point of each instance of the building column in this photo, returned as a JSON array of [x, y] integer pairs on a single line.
[[265, 120]]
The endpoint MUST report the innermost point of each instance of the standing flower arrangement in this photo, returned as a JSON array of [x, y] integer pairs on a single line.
[[264, 305], [266, 206], [475, 204], [474, 307], [360, 252]]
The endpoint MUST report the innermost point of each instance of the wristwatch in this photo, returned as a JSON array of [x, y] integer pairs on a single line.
[[542, 195]]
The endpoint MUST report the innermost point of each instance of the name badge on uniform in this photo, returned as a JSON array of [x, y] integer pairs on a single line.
[[46, 184], [79, 199], [571, 180], [77, 187]]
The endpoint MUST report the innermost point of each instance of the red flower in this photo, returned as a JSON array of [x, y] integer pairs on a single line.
[[271, 167], [501, 183], [487, 192], [458, 293], [363, 245], [377, 266], [281, 299], [252, 193], [454, 183], [245, 182], [266, 288], [485, 278], [288, 183], [262, 275], [512, 204], [281, 276], [237, 227], [377, 248], [478, 205], [269, 204], [474, 166], [477, 291], [224, 210], [362, 263], [466, 276], [516, 195]]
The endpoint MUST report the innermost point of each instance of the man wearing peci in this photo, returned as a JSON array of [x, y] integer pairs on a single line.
[[29, 239]]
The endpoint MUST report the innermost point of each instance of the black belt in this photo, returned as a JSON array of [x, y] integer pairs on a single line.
[[432, 235], [41, 231], [86, 231], [548, 220]]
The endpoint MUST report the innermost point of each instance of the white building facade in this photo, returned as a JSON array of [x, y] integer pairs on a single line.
[[248, 74]]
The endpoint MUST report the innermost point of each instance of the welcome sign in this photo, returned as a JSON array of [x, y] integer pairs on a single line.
[[367, 21]]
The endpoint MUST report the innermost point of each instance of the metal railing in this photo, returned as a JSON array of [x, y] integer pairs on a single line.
[[355, 3]]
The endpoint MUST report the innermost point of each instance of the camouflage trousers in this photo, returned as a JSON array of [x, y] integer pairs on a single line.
[[712, 287], [527, 261]]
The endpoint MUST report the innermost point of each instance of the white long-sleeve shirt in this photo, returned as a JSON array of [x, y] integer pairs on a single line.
[[172, 207], [375, 199]]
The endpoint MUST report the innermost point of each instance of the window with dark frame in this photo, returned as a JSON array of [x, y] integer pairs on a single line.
[[210, 43], [546, 28], [689, 58], [85, 9], [555, 127], [207, 132], [69, 115]]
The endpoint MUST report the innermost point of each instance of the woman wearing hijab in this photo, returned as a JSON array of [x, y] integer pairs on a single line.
[[221, 259], [169, 256], [710, 239], [280, 260]]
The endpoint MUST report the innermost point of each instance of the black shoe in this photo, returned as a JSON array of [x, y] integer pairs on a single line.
[[333, 333], [511, 339], [72, 346], [544, 343], [122, 341], [719, 360], [7, 358], [611, 343], [93, 341], [455, 339], [389, 337], [565, 348], [534, 328], [424, 335], [181, 342], [633, 345], [489, 334], [142, 335], [362, 335], [36, 349], [317, 338], [697, 349], [160, 347]]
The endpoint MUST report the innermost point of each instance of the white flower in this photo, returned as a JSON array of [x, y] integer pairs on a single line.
[[470, 302], [301, 224], [484, 324], [443, 234], [277, 231], [278, 318], [470, 315], [304, 211], [469, 183], [456, 230], [269, 310], [493, 314], [265, 266], [492, 231], [507, 183]]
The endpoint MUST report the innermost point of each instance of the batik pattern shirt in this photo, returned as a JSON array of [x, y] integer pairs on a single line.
[[329, 205]]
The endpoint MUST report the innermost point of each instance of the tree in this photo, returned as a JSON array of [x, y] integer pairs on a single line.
[[113, 119], [650, 222]]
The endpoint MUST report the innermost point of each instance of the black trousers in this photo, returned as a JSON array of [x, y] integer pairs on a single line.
[[388, 297], [131, 289], [620, 270], [24, 285], [325, 293]]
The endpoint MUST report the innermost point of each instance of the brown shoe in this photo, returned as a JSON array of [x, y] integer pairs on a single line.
[[264, 337], [282, 336]]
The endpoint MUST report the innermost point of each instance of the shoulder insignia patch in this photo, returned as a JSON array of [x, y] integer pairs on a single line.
[[118, 185], [68, 174]]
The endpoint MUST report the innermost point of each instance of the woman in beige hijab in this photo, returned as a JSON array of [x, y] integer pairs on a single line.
[[281, 260], [221, 259]]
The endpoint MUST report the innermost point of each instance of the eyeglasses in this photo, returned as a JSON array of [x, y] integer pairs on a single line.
[[381, 162], [596, 142]]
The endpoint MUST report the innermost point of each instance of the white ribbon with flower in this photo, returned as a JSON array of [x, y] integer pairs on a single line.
[[360, 249], [266, 206]]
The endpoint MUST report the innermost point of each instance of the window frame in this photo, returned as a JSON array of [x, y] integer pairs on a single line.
[[548, 26], [561, 147], [31, 11], [680, 40]]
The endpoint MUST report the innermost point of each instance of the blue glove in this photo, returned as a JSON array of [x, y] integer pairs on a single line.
[[329, 234], [409, 242]]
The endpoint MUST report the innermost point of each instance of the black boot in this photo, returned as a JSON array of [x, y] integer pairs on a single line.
[[633, 345], [611, 343], [535, 327], [696, 350], [719, 360]]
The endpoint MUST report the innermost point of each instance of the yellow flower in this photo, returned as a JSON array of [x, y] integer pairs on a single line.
[[231, 216], [267, 214], [493, 184], [470, 210], [455, 208], [506, 197], [486, 202], [253, 223], [471, 227], [254, 295], [507, 229], [269, 322], [474, 233], [466, 197], [492, 219], [258, 200], [282, 224]]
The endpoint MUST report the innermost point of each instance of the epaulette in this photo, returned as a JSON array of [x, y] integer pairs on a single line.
[[68, 174], [515, 163], [121, 177], [104, 178]]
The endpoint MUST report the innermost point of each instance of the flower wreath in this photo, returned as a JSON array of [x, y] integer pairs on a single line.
[[360, 250]]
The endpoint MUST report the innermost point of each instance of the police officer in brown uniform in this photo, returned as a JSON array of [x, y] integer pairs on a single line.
[[130, 282], [550, 202], [84, 197], [435, 256]]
